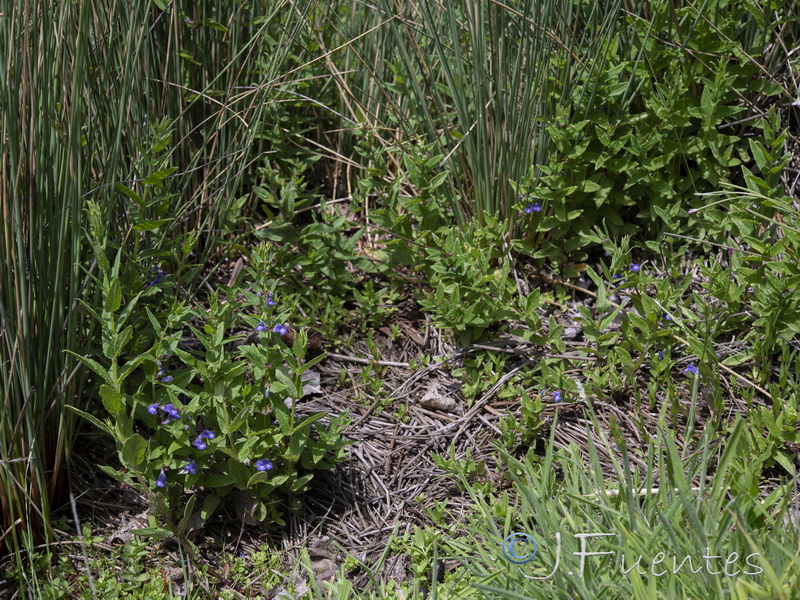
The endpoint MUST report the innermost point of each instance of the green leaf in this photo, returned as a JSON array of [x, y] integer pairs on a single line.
[[93, 420], [187, 513], [130, 194], [238, 473], [134, 451], [113, 296], [215, 25], [218, 481], [438, 180], [260, 477], [159, 176], [150, 225], [301, 482], [210, 504], [93, 365], [307, 423], [156, 532], [112, 399], [118, 342], [120, 476]]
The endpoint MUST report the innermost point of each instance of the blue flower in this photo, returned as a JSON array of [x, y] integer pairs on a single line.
[[167, 379], [634, 267], [172, 412], [270, 299], [261, 326], [266, 391], [263, 464], [200, 442], [159, 276], [691, 369], [661, 355], [532, 208], [191, 468], [280, 329], [556, 396], [162, 479], [153, 408]]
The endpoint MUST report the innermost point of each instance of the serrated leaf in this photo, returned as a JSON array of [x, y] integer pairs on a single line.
[[130, 194], [112, 399], [150, 225], [134, 451], [159, 176], [118, 342], [93, 420]]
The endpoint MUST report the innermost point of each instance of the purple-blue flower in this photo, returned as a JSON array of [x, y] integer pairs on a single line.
[[691, 369], [634, 267], [172, 412], [200, 442], [261, 326], [191, 468], [556, 396], [167, 379], [153, 408], [162, 479], [532, 208], [266, 391], [159, 276], [270, 299], [661, 355], [280, 329], [263, 464]]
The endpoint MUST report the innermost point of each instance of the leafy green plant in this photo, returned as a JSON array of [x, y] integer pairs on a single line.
[[646, 527], [656, 129], [217, 417]]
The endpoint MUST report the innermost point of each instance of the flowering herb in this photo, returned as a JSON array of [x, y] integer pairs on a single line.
[[167, 379], [635, 267], [690, 370], [661, 355], [191, 468], [263, 465], [162, 479], [261, 326], [270, 299], [532, 208], [282, 329], [153, 408], [556, 396]]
